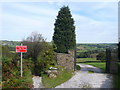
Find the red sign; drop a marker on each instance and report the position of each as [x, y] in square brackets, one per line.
[21, 48]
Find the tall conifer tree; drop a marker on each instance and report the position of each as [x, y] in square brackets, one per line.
[64, 32]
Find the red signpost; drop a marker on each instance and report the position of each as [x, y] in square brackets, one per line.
[21, 49]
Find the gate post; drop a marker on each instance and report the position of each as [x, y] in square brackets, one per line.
[111, 60]
[108, 56]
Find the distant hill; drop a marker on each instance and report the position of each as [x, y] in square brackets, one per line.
[6, 42]
[83, 47]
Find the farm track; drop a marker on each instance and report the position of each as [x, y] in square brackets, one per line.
[37, 82]
[84, 79]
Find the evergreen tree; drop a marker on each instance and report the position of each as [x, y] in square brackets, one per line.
[64, 32]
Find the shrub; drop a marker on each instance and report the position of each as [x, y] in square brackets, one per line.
[78, 67]
[34, 44]
[46, 59]
[40, 52]
[101, 56]
[11, 74]
[5, 51]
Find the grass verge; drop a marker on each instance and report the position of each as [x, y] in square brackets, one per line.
[90, 71]
[78, 60]
[53, 82]
[100, 65]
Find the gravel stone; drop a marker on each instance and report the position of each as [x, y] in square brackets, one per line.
[83, 79]
[37, 82]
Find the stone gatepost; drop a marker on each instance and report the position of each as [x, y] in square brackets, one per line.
[111, 60]
[67, 60]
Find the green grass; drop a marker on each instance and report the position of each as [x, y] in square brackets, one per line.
[13, 51]
[53, 82]
[81, 51]
[100, 65]
[90, 71]
[85, 59]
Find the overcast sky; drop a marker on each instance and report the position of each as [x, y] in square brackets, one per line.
[96, 22]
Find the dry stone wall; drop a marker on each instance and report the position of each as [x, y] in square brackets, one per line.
[67, 60]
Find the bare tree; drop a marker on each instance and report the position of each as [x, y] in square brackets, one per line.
[34, 45]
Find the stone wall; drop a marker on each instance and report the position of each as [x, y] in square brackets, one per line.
[67, 60]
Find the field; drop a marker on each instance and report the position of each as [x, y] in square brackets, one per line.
[94, 47]
[82, 60]
[97, 51]
[101, 65]
[93, 54]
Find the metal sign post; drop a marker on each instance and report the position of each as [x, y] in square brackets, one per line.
[21, 63]
[21, 49]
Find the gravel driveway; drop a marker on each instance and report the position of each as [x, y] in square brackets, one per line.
[37, 82]
[84, 79]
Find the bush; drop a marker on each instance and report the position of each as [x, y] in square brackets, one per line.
[34, 44]
[101, 56]
[11, 70]
[45, 59]
[40, 52]
[78, 67]
[5, 51]
[11, 74]
[83, 55]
